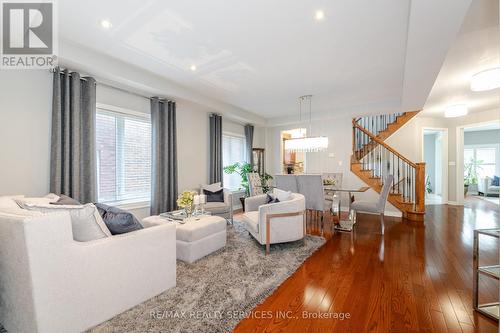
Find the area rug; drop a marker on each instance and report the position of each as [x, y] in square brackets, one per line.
[216, 292]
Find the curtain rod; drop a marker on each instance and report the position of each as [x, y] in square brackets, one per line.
[52, 70]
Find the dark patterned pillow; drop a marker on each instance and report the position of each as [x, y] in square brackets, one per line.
[495, 181]
[272, 199]
[117, 220]
[217, 196]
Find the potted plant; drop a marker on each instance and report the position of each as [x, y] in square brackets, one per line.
[470, 173]
[243, 169]
[428, 185]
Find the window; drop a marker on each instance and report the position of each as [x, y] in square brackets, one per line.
[482, 160]
[233, 150]
[123, 143]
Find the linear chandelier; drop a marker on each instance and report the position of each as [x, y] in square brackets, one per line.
[306, 143]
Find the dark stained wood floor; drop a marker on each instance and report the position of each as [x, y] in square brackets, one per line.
[415, 278]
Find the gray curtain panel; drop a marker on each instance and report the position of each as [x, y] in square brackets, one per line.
[73, 156]
[249, 142]
[216, 167]
[163, 156]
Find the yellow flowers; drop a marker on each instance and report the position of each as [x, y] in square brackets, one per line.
[186, 199]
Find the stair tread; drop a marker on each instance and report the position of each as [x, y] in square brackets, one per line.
[358, 167]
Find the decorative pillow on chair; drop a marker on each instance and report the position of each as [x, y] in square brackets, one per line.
[212, 187]
[495, 181]
[117, 220]
[271, 198]
[282, 195]
[216, 196]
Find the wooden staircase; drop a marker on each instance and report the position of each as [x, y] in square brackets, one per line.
[373, 159]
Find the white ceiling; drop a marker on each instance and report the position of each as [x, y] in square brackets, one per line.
[486, 127]
[476, 48]
[261, 55]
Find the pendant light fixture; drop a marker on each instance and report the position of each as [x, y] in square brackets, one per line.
[306, 143]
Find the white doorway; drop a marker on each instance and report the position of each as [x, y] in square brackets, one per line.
[435, 156]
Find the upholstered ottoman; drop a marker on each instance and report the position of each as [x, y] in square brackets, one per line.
[197, 238]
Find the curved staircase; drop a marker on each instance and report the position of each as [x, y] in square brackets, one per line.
[373, 159]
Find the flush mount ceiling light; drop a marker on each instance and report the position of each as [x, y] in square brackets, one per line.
[486, 80]
[319, 15]
[306, 144]
[458, 110]
[106, 24]
[193, 68]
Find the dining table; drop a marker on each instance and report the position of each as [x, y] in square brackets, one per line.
[345, 225]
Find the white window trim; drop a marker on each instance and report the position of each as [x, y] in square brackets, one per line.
[125, 204]
[124, 111]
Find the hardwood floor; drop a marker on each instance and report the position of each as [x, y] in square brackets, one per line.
[415, 278]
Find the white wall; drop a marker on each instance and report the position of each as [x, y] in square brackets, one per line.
[25, 117]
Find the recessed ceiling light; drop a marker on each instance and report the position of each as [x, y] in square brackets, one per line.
[486, 80]
[193, 68]
[319, 15]
[458, 110]
[106, 24]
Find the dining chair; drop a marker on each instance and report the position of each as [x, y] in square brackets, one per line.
[287, 183]
[378, 206]
[311, 186]
[254, 184]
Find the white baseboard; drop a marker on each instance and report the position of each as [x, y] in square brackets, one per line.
[454, 203]
[391, 213]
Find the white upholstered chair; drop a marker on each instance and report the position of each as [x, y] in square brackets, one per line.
[485, 187]
[378, 206]
[311, 187]
[273, 223]
[222, 209]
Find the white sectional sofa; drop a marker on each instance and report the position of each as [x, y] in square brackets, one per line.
[51, 283]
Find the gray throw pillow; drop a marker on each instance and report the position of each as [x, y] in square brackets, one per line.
[117, 220]
[65, 200]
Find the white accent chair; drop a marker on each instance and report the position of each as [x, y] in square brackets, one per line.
[274, 223]
[485, 188]
[222, 209]
[51, 283]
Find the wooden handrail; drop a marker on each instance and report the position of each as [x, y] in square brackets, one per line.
[383, 144]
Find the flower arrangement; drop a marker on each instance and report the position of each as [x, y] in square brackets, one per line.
[186, 200]
[329, 182]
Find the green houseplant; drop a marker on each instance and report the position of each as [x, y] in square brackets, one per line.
[242, 169]
[470, 173]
